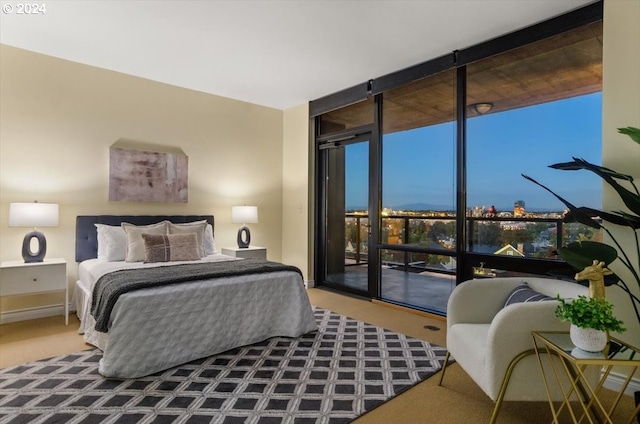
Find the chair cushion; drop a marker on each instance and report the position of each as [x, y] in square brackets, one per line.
[524, 293]
[467, 343]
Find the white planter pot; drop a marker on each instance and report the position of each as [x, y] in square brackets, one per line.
[588, 339]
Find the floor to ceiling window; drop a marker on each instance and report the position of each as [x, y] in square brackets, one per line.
[417, 237]
[419, 183]
[529, 108]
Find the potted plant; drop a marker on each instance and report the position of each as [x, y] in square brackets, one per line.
[591, 319]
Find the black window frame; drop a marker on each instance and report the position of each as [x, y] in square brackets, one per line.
[458, 60]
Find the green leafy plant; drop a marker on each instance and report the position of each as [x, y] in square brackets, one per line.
[589, 312]
[582, 254]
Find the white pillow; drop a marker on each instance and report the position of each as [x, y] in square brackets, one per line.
[112, 243]
[135, 242]
[209, 241]
[198, 227]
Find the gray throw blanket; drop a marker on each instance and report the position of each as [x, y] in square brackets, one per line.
[110, 286]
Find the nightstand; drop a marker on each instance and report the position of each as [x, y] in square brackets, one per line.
[249, 252]
[20, 278]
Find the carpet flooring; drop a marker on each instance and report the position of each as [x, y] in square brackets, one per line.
[333, 375]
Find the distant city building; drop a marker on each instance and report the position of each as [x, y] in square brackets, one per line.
[513, 226]
[477, 211]
[518, 208]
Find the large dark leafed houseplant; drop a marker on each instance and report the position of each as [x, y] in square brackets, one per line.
[582, 253]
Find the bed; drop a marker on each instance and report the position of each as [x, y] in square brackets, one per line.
[153, 328]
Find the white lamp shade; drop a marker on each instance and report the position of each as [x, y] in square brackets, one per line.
[33, 214]
[244, 214]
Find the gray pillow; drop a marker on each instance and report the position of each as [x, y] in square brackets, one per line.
[197, 227]
[524, 293]
[135, 243]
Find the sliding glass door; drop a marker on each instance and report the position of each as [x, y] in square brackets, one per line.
[346, 214]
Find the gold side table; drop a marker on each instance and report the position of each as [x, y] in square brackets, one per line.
[573, 363]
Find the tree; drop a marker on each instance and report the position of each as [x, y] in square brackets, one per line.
[489, 233]
[516, 236]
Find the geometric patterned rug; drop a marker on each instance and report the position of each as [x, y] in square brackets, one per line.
[331, 376]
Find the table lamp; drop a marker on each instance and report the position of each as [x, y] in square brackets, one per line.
[33, 215]
[244, 215]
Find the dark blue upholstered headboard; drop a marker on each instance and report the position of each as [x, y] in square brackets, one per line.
[87, 236]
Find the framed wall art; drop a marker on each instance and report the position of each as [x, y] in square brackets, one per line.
[147, 176]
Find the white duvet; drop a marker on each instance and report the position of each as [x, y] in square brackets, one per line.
[157, 328]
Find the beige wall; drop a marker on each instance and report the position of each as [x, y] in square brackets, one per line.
[58, 119]
[621, 108]
[295, 188]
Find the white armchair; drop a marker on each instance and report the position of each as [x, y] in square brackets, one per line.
[493, 343]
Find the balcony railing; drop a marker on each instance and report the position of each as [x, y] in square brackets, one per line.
[517, 224]
[414, 233]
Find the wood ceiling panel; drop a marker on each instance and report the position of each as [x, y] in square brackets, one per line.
[560, 67]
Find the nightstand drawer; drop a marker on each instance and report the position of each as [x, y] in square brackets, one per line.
[32, 279]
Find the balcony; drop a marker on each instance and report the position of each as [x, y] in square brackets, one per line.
[418, 256]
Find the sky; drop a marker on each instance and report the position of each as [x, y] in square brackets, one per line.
[419, 165]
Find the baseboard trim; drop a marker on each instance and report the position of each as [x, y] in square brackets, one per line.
[309, 284]
[32, 313]
[615, 381]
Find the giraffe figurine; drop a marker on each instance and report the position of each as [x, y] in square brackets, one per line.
[595, 274]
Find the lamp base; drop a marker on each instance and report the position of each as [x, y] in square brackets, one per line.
[37, 256]
[244, 239]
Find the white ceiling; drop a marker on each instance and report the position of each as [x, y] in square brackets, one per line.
[272, 53]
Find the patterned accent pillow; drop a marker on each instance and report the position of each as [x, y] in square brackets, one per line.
[524, 293]
[170, 247]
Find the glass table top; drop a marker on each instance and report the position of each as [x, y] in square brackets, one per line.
[616, 350]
